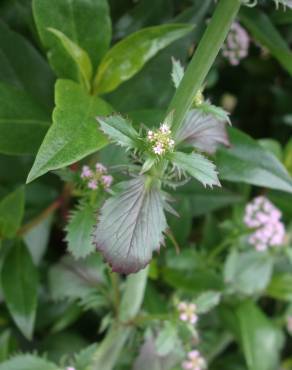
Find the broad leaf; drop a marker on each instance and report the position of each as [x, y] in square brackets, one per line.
[246, 161]
[242, 272]
[23, 123]
[74, 133]
[20, 282]
[130, 226]
[128, 56]
[11, 213]
[280, 287]
[86, 23]
[79, 231]
[30, 72]
[203, 131]
[197, 166]
[120, 130]
[28, 362]
[263, 30]
[79, 56]
[207, 301]
[260, 339]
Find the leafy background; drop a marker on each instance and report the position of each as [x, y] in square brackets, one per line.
[55, 305]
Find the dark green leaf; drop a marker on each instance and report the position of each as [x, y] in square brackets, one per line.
[74, 133]
[79, 231]
[23, 123]
[197, 166]
[86, 23]
[260, 339]
[131, 225]
[280, 287]
[248, 272]
[27, 362]
[20, 282]
[120, 130]
[261, 27]
[128, 56]
[79, 56]
[11, 213]
[246, 161]
[30, 72]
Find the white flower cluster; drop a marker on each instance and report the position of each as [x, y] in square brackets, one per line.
[161, 141]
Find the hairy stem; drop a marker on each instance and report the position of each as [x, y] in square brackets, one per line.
[111, 347]
[203, 59]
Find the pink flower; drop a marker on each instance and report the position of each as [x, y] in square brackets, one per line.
[289, 324]
[100, 168]
[194, 361]
[86, 172]
[237, 44]
[187, 312]
[70, 368]
[92, 184]
[107, 180]
[158, 149]
[265, 218]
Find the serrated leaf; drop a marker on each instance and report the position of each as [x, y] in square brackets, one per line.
[246, 161]
[130, 226]
[20, 282]
[74, 133]
[79, 231]
[79, 56]
[11, 213]
[207, 301]
[23, 122]
[120, 130]
[197, 166]
[203, 131]
[128, 56]
[28, 362]
[177, 72]
[86, 23]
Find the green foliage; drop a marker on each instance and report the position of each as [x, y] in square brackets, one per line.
[19, 282]
[74, 133]
[128, 56]
[11, 213]
[28, 362]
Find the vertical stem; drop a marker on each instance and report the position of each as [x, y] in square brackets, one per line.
[111, 347]
[203, 59]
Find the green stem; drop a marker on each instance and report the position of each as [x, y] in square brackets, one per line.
[203, 59]
[111, 347]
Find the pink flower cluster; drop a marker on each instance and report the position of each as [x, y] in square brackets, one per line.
[187, 312]
[237, 44]
[265, 218]
[97, 177]
[194, 361]
[70, 368]
[289, 324]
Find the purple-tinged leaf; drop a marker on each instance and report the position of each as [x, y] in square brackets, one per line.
[203, 131]
[131, 226]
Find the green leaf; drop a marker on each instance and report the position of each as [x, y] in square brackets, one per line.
[263, 30]
[86, 23]
[246, 161]
[131, 225]
[79, 231]
[177, 72]
[30, 73]
[166, 340]
[197, 166]
[23, 123]
[27, 362]
[79, 56]
[128, 56]
[20, 282]
[11, 213]
[74, 133]
[280, 287]
[207, 301]
[120, 130]
[248, 272]
[260, 339]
